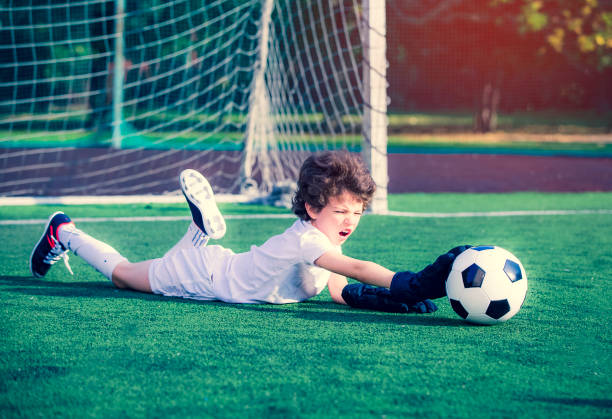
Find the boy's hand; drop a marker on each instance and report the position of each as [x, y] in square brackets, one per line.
[410, 287]
[379, 299]
[459, 249]
[441, 268]
[425, 306]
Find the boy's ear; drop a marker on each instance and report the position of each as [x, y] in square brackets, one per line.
[312, 213]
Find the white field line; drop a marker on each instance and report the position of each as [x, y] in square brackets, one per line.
[146, 219]
[281, 216]
[120, 199]
[496, 213]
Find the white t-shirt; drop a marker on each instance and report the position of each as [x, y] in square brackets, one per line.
[280, 271]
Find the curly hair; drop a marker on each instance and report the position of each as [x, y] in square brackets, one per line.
[329, 174]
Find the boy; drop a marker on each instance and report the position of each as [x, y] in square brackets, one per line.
[333, 190]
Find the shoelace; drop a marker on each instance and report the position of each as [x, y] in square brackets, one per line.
[56, 253]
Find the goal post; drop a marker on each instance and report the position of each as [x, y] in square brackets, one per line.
[375, 121]
[116, 97]
[119, 64]
[260, 133]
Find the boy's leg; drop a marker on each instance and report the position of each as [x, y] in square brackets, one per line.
[101, 256]
[193, 237]
[201, 200]
[183, 270]
[61, 235]
[133, 276]
[205, 214]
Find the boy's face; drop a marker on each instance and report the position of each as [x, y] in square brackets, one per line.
[339, 218]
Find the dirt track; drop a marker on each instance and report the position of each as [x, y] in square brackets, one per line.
[497, 173]
[107, 172]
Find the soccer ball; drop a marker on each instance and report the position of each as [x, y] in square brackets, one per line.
[486, 285]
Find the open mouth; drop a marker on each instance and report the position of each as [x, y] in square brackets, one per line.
[345, 233]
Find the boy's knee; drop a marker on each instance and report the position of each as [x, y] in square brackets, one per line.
[118, 283]
[133, 276]
[118, 277]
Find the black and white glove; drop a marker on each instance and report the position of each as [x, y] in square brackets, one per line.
[379, 299]
[410, 287]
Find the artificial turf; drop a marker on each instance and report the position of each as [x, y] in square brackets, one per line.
[77, 347]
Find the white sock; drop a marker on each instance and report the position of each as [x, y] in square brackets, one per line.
[98, 254]
[194, 237]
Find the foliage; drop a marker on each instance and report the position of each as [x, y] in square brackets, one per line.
[444, 53]
[580, 29]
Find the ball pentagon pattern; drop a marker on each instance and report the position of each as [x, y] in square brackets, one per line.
[486, 285]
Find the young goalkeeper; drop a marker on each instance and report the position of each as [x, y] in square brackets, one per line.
[333, 190]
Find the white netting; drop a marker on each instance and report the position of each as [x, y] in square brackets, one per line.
[236, 89]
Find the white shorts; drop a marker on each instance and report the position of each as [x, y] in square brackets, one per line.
[188, 272]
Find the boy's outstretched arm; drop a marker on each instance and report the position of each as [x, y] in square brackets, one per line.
[363, 271]
[372, 298]
[409, 290]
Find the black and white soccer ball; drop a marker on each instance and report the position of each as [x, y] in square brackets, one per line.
[486, 285]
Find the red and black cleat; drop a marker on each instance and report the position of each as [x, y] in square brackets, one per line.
[49, 250]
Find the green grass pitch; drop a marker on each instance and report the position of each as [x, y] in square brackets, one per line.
[77, 347]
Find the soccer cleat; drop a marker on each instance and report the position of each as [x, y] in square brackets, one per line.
[201, 200]
[49, 250]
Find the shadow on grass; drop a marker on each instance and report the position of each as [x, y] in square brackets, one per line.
[310, 310]
[575, 401]
[332, 312]
[40, 287]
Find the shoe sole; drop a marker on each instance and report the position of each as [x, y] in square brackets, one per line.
[201, 200]
[40, 240]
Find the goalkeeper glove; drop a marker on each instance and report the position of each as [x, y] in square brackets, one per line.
[410, 287]
[379, 299]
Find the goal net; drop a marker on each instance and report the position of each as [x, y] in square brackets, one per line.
[103, 97]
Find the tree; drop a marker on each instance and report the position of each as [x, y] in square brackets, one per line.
[579, 29]
[506, 54]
